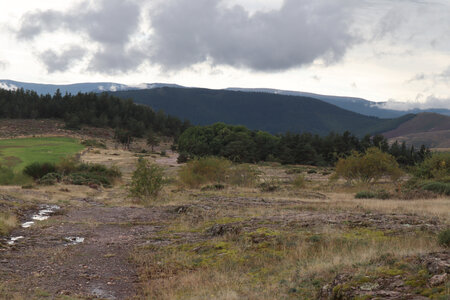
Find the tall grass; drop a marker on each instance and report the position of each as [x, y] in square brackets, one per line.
[7, 223]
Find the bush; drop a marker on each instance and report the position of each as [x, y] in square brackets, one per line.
[182, 158]
[204, 170]
[435, 167]
[437, 187]
[368, 167]
[269, 184]
[444, 238]
[94, 144]
[38, 170]
[50, 179]
[67, 165]
[147, 181]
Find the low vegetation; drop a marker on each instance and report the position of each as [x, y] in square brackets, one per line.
[7, 223]
[147, 181]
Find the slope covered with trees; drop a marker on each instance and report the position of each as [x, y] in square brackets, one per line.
[240, 144]
[259, 111]
[99, 110]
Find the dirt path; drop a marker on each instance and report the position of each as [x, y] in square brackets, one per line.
[98, 267]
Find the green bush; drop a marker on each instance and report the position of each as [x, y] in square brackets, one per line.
[50, 179]
[437, 187]
[435, 167]
[204, 170]
[182, 158]
[147, 181]
[444, 238]
[368, 167]
[37, 170]
[86, 178]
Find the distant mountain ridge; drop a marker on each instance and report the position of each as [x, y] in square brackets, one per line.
[358, 105]
[260, 111]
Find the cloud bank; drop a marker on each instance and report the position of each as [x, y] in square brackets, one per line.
[183, 33]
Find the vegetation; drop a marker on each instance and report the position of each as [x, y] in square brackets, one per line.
[99, 110]
[260, 111]
[7, 223]
[380, 194]
[147, 181]
[70, 171]
[94, 144]
[10, 177]
[368, 167]
[444, 237]
[152, 139]
[239, 144]
[18, 153]
[204, 170]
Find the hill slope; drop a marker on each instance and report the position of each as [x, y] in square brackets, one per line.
[430, 129]
[358, 105]
[262, 111]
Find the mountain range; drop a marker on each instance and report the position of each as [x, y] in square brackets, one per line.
[275, 111]
[358, 105]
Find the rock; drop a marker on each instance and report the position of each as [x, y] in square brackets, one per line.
[369, 286]
[438, 279]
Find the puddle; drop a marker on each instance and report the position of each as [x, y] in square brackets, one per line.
[27, 224]
[43, 214]
[12, 240]
[74, 240]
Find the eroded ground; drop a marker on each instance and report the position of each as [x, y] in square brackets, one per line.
[235, 243]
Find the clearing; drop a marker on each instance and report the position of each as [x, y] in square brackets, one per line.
[316, 242]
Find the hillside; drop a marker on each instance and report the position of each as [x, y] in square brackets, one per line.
[358, 105]
[262, 111]
[430, 129]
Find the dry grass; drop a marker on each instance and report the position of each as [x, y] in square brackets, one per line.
[7, 223]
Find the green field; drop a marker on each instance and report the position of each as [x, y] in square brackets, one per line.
[17, 153]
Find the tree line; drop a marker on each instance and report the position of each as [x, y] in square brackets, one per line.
[240, 144]
[98, 110]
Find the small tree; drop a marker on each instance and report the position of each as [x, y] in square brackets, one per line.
[368, 167]
[123, 137]
[152, 139]
[147, 181]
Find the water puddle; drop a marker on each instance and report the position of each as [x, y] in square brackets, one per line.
[74, 240]
[43, 214]
[12, 240]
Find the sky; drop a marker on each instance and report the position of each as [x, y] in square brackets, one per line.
[397, 51]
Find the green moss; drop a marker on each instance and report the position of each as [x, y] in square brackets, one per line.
[365, 234]
[387, 271]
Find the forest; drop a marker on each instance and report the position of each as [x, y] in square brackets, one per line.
[240, 144]
[98, 110]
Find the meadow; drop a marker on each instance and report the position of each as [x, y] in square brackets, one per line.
[18, 153]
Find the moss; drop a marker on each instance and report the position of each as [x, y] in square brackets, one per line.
[365, 234]
[389, 272]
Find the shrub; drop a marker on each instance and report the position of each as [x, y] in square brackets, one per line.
[50, 179]
[204, 170]
[269, 184]
[444, 238]
[435, 167]
[214, 187]
[67, 165]
[86, 178]
[163, 153]
[368, 167]
[299, 182]
[182, 158]
[147, 181]
[437, 187]
[311, 171]
[94, 144]
[37, 170]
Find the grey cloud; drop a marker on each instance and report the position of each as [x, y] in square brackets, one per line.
[111, 23]
[429, 103]
[59, 62]
[187, 32]
[113, 60]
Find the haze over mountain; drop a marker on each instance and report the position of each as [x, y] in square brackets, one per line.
[358, 105]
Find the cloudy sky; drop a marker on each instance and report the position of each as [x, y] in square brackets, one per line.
[381, 50]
